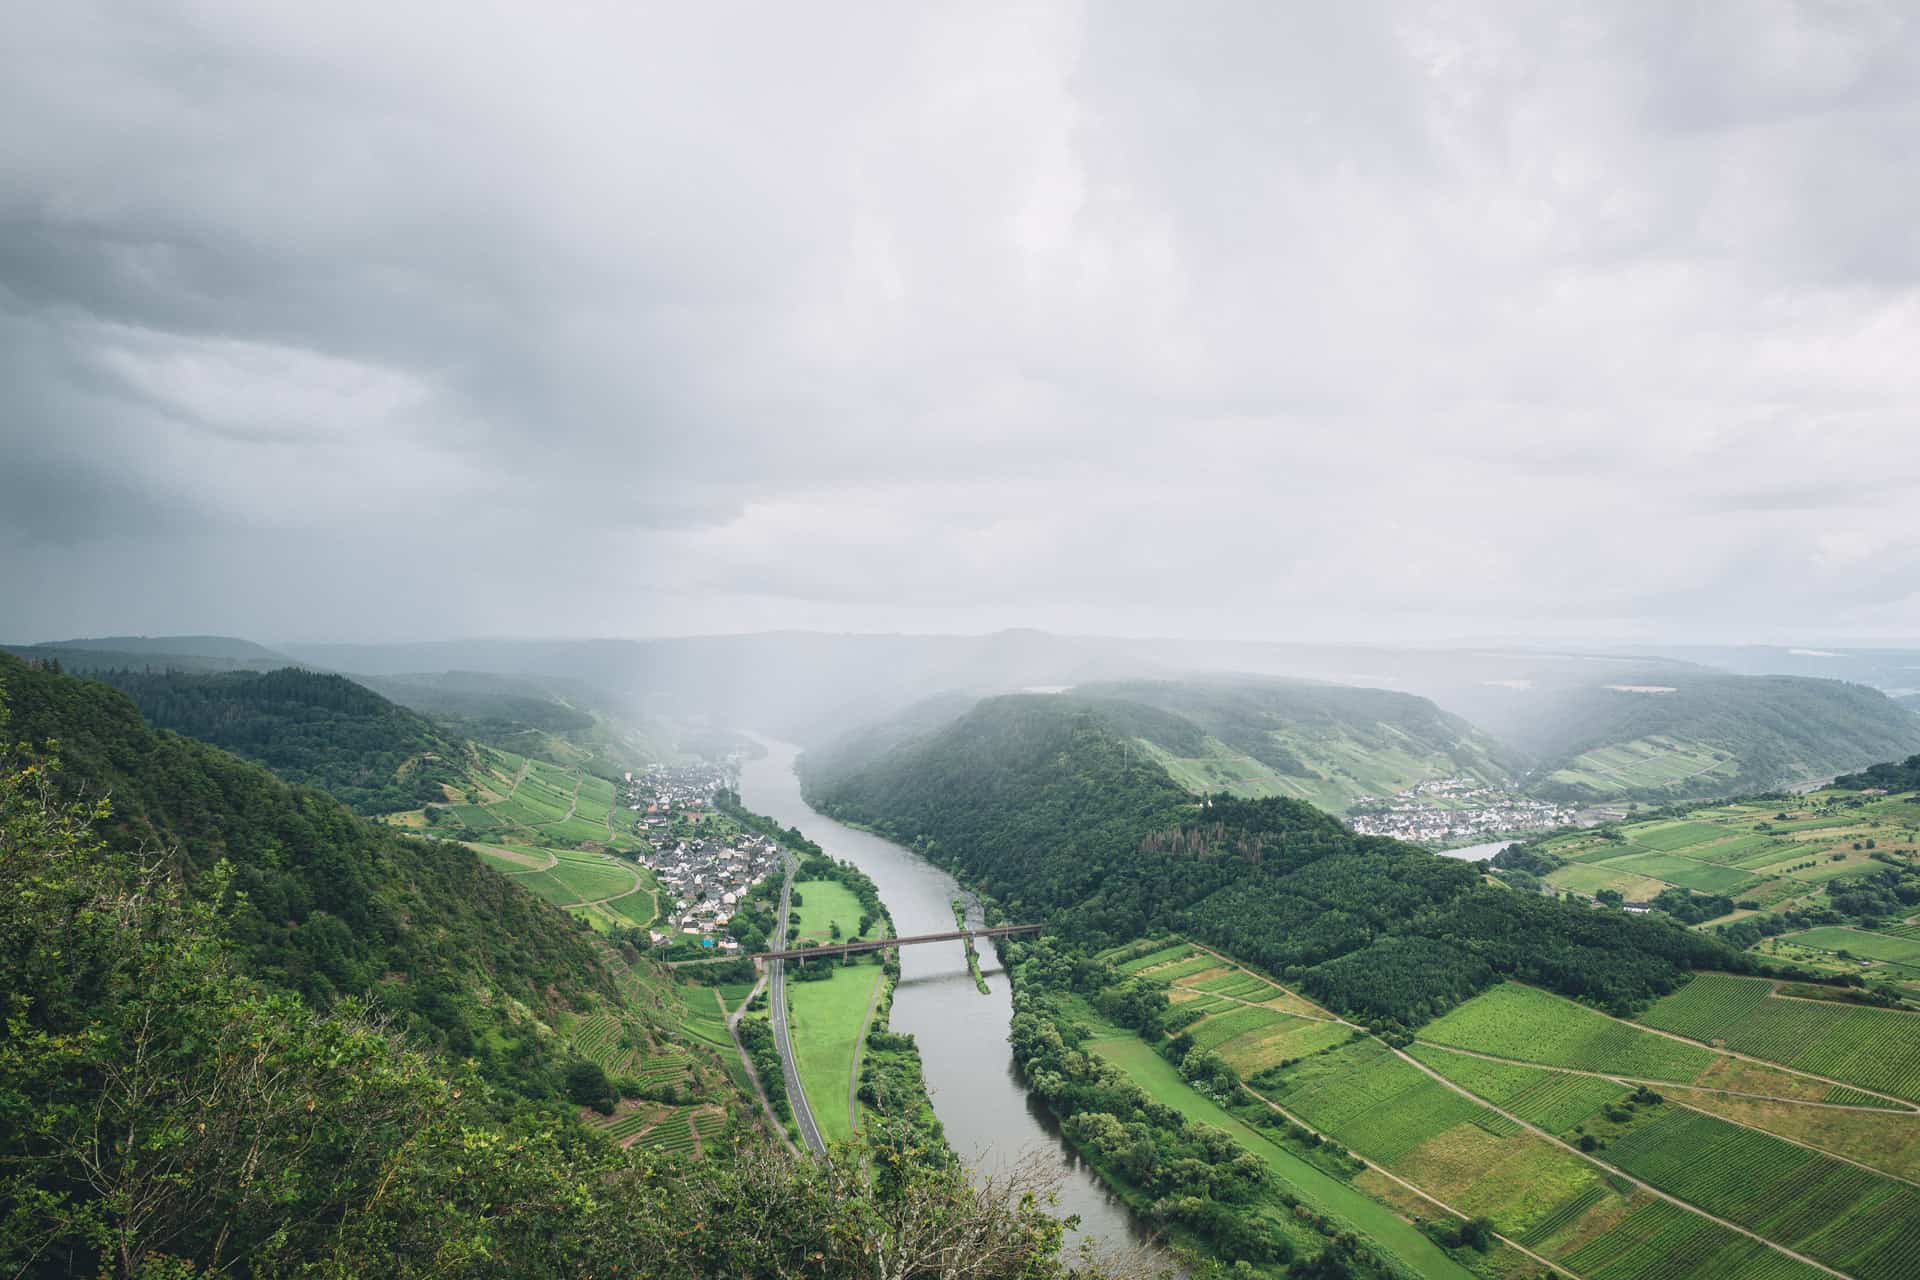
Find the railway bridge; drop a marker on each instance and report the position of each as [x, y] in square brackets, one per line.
[848, 948]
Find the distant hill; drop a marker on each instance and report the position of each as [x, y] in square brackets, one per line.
[230, 648]
[1332, 745]
[1695, 736]
[1046, 802]
[319, 730]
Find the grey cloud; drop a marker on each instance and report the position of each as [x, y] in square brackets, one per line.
[1392, 318]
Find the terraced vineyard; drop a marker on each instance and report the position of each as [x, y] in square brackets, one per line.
[1852, 1219]
[1529, 1025]
[1661, 1241]
[1873, 1048]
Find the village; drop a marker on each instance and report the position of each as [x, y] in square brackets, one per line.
[1443, 811]
[704, 865]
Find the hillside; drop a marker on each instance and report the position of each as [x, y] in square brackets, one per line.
[1332, 745]
[319, 730]
[186, 1089]
[1690, 737]
[1044, 802]
[332, 905]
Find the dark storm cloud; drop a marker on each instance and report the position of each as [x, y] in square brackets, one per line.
[1373, 319]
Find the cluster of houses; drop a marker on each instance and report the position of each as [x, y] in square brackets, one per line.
[1449, 810]
[708, 879]
[703, 878]
[660, 791]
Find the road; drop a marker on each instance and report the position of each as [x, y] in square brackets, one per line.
[777, 1002]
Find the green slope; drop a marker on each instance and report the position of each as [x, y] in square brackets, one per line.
[1690, 737]
[1328, 744]
[329, 905]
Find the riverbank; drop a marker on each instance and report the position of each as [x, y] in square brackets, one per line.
[986, 1114]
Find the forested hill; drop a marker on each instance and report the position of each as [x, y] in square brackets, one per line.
[308, 727]
[1698, 736]
[327, 903]
[1046, 803]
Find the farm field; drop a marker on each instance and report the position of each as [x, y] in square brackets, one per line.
[1868, 944]
[1543, 1196]
[604, 890]
[1860, 1222]
[1529, 1025]
[1886, 1140]
[1776, 853]
[1554, 1100]
[1321, 1190]
[1876, 1049]
[824, 904]
[825, 1020]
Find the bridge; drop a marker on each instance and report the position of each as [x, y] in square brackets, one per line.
[848, 948]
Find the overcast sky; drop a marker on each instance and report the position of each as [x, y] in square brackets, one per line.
[1378, 321]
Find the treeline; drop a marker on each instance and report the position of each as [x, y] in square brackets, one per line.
[1903, 775]
[319, 730]
[1045, 805]
[1192, 1180]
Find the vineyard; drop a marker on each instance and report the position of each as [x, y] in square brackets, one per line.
[1846, 1216]
[1514, 1021]
[1873, 1048]
[1661, 1241]
[1552, 1100]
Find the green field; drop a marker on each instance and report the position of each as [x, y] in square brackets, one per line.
[823, 905]
[1322, 1191]
[825, 1020]
[1665, 837]
[604, 890]
[1704, 877]
[1873, 1048]
[1847, 1217]
[1662, 1241]
[1554, 1100]
[1530, 1025]
[1165, 955]
[1644, 764]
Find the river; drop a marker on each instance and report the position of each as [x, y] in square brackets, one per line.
[992, 1122]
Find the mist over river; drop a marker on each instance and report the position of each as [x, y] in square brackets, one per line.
[991, 1121]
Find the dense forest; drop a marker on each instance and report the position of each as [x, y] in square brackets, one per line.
[247, 1032]
[321, 730]
[1042, 802]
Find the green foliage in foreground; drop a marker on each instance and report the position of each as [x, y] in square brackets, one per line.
[321, 903]
[163, 1115]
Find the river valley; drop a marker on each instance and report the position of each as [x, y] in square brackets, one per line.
[991, 1121]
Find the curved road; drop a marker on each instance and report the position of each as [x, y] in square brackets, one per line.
[777, 1004]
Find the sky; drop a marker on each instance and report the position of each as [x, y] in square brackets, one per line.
[1552, 322]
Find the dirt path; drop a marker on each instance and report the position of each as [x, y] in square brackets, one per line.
[1902, 1103]
[635, 887]
[525, 860]
[1674, 1084]
[1648, 1187]
[1394, 1177]
[760, 1091]
[859, 1051]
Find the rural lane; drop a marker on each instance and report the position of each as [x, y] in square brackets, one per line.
[777, 1003]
